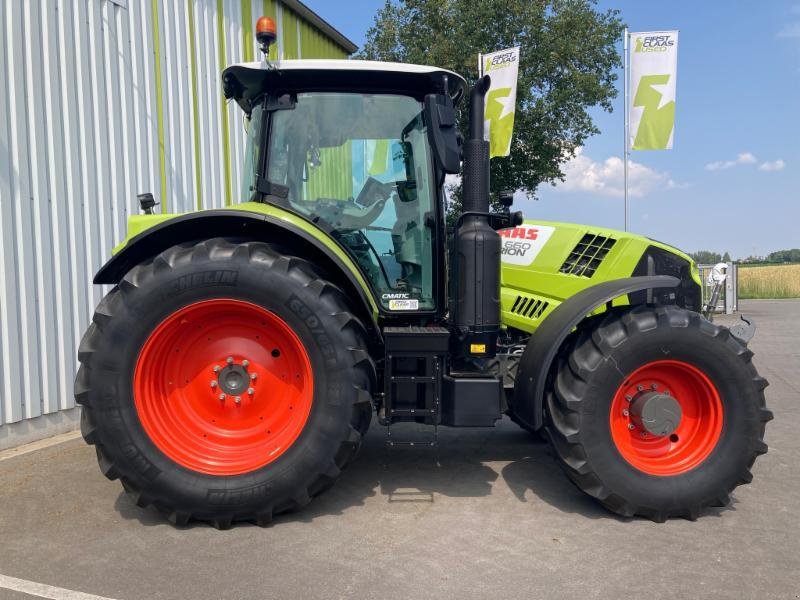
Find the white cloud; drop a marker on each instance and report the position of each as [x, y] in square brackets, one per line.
[451, 181]
[675, 185]
[606, 178]
[792, 30]
[745, 158]
[772, 165]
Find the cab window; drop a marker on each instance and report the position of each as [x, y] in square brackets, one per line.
[358, 166]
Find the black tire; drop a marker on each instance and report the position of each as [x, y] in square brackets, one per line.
[514, 419]
[317, 312]
[600, 357]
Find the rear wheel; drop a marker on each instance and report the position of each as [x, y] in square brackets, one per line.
[656, 412]
[224, 382]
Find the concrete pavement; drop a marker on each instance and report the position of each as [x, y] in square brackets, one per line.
[488, 515]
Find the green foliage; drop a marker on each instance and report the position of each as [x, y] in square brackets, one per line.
[567, 63]
[707, 257]
[784, 256]
[778, 257]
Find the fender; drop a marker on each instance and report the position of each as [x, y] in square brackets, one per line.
[545, 342]
[247, 225]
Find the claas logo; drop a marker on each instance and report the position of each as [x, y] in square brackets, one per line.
[520, 233]
[498, 60]
[654, 43]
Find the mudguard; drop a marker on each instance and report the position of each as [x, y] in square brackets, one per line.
[544, 343]
[245, 225]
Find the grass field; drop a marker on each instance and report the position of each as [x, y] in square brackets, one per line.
[778, 281]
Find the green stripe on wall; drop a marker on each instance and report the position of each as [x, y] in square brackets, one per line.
[315, 44]
[271, 11]
[195, 109]
[332, 179]
[226, 132]
[162, 158]
[289, 34]
[247, 30]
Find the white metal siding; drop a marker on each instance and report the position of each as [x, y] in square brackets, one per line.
[79, 138]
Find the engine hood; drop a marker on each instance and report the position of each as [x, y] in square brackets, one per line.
[545, 262]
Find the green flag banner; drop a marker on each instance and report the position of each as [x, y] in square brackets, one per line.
[501, 99]
[653, 73]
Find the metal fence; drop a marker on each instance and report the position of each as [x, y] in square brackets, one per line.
[101, 100]
[728, 302]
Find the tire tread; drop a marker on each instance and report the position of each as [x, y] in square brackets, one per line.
[580, 356]
[300, 270]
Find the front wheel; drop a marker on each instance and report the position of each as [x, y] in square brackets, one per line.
[224, 382]
[656, 412]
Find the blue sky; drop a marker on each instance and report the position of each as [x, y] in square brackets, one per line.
[732, 181]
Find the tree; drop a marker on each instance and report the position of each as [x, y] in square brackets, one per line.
[784, 256]
[706, 257]
[726, 257]
[567, 63]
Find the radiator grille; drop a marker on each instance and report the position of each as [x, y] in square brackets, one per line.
[587, 255]
[532, 308]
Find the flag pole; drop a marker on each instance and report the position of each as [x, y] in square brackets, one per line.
[626, 125]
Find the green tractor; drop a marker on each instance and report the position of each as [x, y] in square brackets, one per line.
[234, 368]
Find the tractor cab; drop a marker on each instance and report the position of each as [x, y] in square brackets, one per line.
[347, 145]
[361, 150]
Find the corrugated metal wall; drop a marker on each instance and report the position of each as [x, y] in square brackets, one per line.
[101, 100]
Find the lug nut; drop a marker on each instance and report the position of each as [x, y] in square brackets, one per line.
[229, 360]
[640, 388]
[625, 412]
[631, 426]
[253, 376]
[238, 399]
[222, 396]
[213, 384]
[251, 391]
[245, 363]
[654, 386]
[217, 368]
[629, 398]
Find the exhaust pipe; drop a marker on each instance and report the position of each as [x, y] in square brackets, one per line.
[477, 246]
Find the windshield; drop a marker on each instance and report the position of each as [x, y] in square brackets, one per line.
[358, 166]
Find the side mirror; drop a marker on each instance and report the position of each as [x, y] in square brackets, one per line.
[443, 137]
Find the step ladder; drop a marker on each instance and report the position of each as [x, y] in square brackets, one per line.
[413, 370]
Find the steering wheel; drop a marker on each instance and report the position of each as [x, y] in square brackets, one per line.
[374, 191]
[359, 213]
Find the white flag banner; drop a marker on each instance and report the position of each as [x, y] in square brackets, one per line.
[653, 74]
[501, 99]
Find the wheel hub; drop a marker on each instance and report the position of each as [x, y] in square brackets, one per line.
[233, 380]
[666, 417]
[655, 412]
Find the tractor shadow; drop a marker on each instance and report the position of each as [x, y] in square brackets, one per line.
[467, 463]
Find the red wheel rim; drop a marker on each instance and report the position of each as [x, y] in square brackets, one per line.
[217, 348]
[697, 432]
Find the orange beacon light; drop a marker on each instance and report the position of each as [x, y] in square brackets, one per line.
[266, 33]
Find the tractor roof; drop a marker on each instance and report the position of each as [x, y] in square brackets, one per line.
[246, 82]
